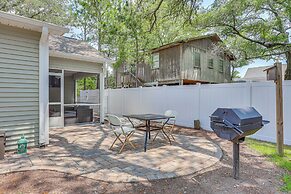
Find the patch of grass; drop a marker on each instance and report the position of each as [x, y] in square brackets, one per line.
[269, 150]
[287, 183]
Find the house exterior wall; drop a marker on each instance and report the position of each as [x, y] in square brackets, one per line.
[73, 65]
[169, 66]
[19, 85]
[204, 73]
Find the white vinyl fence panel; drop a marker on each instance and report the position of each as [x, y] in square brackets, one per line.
[200, 101]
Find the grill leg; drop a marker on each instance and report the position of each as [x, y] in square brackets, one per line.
[235, 160]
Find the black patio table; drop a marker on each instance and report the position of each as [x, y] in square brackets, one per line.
[148, 118]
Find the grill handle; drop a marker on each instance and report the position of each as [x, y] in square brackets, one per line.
[235, 128]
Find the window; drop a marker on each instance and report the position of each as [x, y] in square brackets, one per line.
[210, 63]
[197, 59]
[156, 61]
[221, 66]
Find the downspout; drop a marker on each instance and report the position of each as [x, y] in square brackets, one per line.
[43, 87]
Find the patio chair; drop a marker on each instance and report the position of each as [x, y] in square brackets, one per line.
[169, 127]
[120, 130]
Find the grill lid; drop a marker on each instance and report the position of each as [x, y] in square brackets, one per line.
[237, 116]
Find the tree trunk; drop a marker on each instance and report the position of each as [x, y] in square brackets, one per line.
[288, 70]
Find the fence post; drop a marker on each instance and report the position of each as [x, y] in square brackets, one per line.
[251, 93]
[122, 100]
[199, 100]
[140, 98]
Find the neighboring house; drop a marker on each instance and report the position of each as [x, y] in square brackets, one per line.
[258, 74]
[196, 60]
[30, 70]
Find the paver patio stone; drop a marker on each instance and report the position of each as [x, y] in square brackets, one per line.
[84, 151]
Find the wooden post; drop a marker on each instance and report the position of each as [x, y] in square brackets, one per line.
[235, 165]
[279, 110]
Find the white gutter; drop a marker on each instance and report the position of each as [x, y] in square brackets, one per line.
[95, 59]
[43, 87]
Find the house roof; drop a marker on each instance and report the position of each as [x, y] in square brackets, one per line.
[30, 24]
[71, 48]
[259, 73]
[213, 37]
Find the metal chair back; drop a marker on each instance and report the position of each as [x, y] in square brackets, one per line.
[114, 122]
[171, 113]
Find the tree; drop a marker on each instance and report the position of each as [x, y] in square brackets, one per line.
[45, 10]
[235, 74]
[253, 28]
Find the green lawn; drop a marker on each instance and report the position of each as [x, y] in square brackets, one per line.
[269, 150]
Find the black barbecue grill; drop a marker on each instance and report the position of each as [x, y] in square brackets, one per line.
[234, 124]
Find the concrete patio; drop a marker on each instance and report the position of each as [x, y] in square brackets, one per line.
[83, 150]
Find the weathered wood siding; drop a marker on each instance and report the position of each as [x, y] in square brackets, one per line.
[146, 73]
[203, 73]
[19, 85]
[169, 64]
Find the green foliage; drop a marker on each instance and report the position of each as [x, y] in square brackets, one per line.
[269, 150]
[235, 74]
[91, 84]
[45, 10]
[252, 28]
[128, 30]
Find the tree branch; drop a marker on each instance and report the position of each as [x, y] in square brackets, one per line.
[265, 44]
[265, 55]
[154, 14]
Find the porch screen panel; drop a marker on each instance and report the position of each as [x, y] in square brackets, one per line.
[19, 89]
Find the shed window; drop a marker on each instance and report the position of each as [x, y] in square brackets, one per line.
[210, 63]
[197, 59]
[156, 61]
[221, 66]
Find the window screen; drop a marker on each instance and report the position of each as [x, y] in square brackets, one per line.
[221, 66]
[197, 59]
[210, 63]
[156, 61]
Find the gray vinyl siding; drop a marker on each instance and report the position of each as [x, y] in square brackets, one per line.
[19, 85]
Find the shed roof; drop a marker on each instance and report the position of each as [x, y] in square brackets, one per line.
[213, 37]
[70, 48]
[30, 24]
[258, 73]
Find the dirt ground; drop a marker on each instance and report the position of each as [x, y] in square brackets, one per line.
[257, 175]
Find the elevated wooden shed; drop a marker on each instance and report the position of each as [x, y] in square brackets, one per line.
[201, 59]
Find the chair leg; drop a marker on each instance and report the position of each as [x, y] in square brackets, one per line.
[156, 135]
[117, 138]
[127, 140]
[129, 136]
[171, 132]
[123, 145]
[172, 136]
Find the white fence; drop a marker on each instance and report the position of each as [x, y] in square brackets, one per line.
[199, 101]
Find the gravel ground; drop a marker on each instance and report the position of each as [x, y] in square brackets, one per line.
[257, 175]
